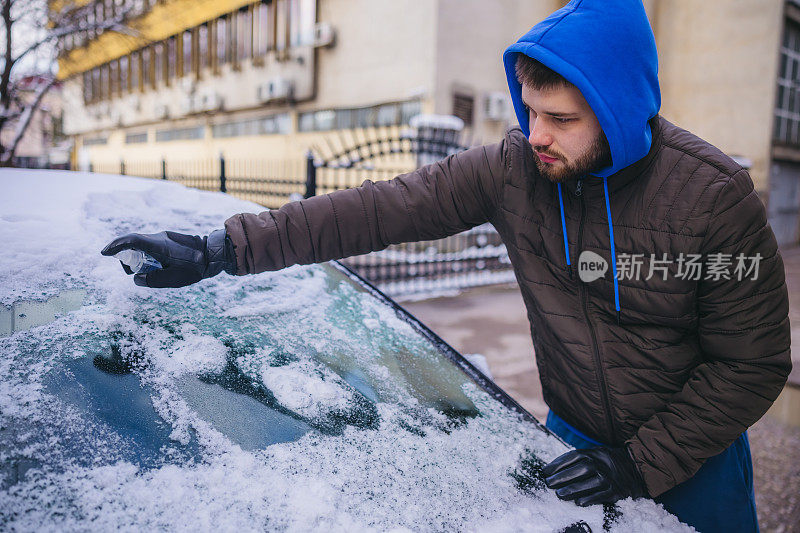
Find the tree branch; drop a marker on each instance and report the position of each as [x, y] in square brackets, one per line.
[5, 100]
[115, 23]
[25, 119]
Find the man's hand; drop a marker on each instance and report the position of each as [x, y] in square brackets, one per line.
[595, 475]
[185, 259]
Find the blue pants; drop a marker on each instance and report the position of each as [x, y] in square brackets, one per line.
[719, 497]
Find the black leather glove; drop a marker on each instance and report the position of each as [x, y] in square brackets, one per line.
[185, 259]
[595, 475]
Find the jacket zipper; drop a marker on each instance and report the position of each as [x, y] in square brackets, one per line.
[585, 304]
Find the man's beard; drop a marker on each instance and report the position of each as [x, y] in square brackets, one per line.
[597, 156]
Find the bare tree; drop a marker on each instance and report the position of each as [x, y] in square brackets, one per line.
[33, 32]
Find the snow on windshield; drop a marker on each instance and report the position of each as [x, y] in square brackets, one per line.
[378, 431]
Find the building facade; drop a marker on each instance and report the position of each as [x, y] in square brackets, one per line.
[728, 71]
[197, 79]
[43, 145]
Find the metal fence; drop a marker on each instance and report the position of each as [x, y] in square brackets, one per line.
[472, 258]
[270, 183]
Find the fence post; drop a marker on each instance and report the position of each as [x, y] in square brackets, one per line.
[311, 176]
[222, 187]
[163, 168]
[122, 167]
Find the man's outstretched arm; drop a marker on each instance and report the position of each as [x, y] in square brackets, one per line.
[441, 199]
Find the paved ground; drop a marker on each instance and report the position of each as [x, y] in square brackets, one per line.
[492, 321]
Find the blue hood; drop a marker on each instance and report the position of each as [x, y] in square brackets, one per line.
[607, 50]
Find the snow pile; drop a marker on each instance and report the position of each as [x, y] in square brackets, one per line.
[373, 428]
[302, 388]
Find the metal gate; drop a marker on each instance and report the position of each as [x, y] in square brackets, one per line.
[784, 202]
[471, 258]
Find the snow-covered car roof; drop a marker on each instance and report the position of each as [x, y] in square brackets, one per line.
[295, 400]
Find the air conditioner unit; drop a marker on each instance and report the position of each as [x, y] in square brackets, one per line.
[161, 111]
[275, 89]
[210, 102]
[324, 34]
[497, 106]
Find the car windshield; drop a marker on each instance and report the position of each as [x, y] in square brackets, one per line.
[297, 399]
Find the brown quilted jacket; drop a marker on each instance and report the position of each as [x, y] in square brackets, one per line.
[684, 367]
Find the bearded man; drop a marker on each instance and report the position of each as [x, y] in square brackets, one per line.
[653, 378]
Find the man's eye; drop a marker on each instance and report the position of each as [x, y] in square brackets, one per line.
[563, 120]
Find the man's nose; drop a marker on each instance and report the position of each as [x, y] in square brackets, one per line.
[539, 135]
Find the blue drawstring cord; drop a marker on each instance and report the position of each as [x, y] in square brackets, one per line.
[613, 250]
[564, 229]
[610, 236]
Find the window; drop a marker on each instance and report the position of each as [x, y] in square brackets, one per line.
[233, 38]
[186, 53]
[262, 28]
[204, 36]
[145, 65]
[113, 78]
[463, 107]
[409, 110]
[87, 87]
[258, 126]
[323, 120]
[96, 85]
[139, 7]
[305, 122]
[281, 28]
[787, 104]
[124, 75]
[302, 16]
[221, 31]
[133, 71]
[99, 16]
[345, 119]
[179, 134]
[157, 56]
[364, 117]
[293, 10]
[92, 141]
[307, 20]
[387, 115]
[244, 36]
[90, 21]
[105, 82]
[170, 60]
[136, 137]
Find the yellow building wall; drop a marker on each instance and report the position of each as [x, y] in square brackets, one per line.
[162, 21]
[718, 64]
[385, 51]
[471, 62]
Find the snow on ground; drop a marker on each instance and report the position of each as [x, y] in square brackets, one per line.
[372, 448]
